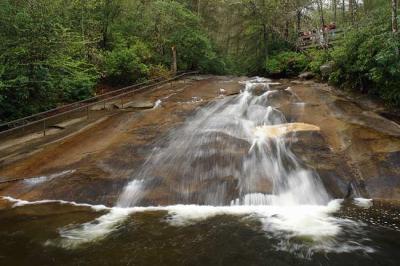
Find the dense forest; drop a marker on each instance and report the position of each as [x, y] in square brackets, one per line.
[58, 51]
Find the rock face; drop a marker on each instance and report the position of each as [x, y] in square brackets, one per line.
[354, 149]
[356, 152]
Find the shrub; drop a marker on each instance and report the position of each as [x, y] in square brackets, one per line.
[317, 58]
[159, 71]
[369, 60]
[286, 63]
[124, 66]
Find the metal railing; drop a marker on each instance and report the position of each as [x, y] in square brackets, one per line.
[43, 117]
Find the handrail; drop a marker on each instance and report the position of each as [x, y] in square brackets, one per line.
[86, 106]
[79, 102]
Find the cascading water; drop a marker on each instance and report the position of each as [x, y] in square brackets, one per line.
[219, 158]
[233, 158]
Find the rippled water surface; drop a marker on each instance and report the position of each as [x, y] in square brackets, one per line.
[30, 235]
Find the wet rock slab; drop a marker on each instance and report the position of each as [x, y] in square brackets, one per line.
[108, 154]
[355, 145]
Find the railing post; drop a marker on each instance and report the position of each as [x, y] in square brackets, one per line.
[87, 112]
[44, 128]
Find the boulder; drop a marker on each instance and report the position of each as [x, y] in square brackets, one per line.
[326, 69]
[306, 75]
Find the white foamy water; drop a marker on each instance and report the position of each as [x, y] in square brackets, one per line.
[42, 179]
[76, 235]
[21, 203]
[364, 203]
[314, 222]
[157, 104]
[132, 193]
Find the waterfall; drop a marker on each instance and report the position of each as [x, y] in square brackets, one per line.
[219, 157]
[233, 158]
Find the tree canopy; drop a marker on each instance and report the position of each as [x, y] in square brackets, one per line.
[57, 51]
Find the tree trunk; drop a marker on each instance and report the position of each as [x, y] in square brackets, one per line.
[198, 7]
[351, 11]
[321, 14]
[265, 32]
[287, 30]
[343, 10]
[298, 23]
[334, 11]
[174, 66]
[395, 26]
[82, 23]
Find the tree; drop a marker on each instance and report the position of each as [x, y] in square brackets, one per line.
[394, 16]
[351, 11]
[41, 60]
[334, 7]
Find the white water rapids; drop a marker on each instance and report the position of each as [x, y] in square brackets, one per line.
[220, 157]
[219, 163]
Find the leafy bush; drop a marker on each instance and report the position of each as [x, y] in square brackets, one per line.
[41, 62]
[369, 60]
[317, 58]
[159, 70]
[125, 66]
[286, 63]
[76, 78]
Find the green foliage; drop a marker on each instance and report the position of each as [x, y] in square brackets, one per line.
[125, 65]
[286, 63]
[52, 51]
[317, 58]
[369, 60]
[75, 79]
[41, 61]
[159, 70]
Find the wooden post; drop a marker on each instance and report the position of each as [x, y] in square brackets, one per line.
[87, 112]
[44, 128]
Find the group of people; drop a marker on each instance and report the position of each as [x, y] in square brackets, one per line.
[317, 35]
[325, 28]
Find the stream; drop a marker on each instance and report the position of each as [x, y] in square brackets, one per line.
[223, 188]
